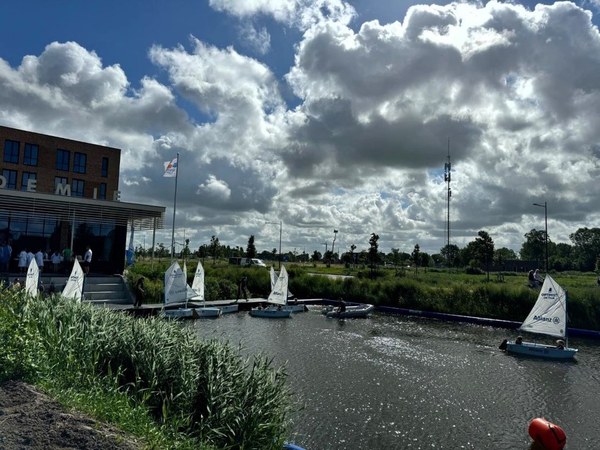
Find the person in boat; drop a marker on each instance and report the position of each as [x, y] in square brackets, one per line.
[341, 306]
[519, 340]
[560, 344]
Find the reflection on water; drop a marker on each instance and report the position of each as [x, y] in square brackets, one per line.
[410, 383]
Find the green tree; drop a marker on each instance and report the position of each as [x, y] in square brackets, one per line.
[534, 247]
[251, 248]
[416, 257]
[484, 250]
[586, 248]
[373, 254]
[214, 248]
[501, 255]
[451, 254]
[316, 256]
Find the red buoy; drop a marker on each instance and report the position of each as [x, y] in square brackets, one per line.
[551, 436]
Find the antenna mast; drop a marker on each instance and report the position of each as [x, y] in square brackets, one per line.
[447, 178]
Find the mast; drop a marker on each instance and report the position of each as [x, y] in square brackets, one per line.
[447, 179]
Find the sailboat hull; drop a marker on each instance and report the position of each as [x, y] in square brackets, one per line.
[270, 313]
[541, 351]
[226, 309]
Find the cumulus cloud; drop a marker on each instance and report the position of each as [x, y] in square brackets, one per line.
[300, 13]
[512, 92]
[214, 188]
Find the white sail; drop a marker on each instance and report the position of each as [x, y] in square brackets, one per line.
[278, 294]
[74, 287]
[549, 314]
[274, 280]
[273, 277]
[198, 283]
[33, 279]
[175, 285]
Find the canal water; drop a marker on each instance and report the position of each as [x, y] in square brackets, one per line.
[396, 382]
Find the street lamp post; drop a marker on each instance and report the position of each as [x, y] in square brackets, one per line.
[335, 232]
[545, 206]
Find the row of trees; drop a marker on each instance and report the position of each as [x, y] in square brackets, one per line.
[582, 255]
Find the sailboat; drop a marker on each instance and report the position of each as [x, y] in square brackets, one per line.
[288, 306]
[196, 292]
[277, 299]
[548, 317]
[33, 279]
[74, 287]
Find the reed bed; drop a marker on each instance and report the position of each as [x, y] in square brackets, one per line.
[190, 393]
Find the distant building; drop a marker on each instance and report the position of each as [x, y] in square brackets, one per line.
[58, 193]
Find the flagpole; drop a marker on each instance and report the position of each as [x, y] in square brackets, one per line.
[174, 210]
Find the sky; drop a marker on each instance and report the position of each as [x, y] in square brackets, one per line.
[309, 116]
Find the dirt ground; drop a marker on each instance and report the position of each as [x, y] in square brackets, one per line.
[31, 420]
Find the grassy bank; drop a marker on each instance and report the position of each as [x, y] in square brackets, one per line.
[151, 377]
[501, 296]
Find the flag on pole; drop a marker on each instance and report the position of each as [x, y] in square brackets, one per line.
[170, 168]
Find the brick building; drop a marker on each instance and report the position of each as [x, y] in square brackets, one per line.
[58, 193]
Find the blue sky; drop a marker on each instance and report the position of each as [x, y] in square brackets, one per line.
[323, 114]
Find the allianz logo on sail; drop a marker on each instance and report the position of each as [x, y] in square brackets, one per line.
[547, 319]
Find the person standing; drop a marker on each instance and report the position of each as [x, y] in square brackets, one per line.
[23, 261]
[87, 260]
[56, 260]
[242, 288]
[39, 259]
[140, 292]
[30, 257]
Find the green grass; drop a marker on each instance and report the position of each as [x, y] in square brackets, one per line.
[151, 377]
[501, 295]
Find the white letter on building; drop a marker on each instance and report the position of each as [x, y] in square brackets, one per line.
[63, 189]
[31, 185]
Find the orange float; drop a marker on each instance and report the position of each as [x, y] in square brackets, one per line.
[551, 436]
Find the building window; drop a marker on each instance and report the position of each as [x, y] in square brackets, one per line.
[79, 161]
[104, 167]
[77, 188]
[11, 178]
[25, 177]
[11, 151]
[102, 191]
[63, 158]
[30, 156]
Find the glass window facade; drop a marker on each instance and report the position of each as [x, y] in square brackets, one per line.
[30, 155]
[104, 167]
[11, 151]
[63, 159]
[102, 191]
[11, 178]
[79, 162]
[77, 188]
[25, 177]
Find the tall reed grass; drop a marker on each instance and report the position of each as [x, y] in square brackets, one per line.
[204, 390]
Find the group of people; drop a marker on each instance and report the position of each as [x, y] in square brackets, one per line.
[535, 278]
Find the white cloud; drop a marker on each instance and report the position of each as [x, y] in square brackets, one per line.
[362, 150]
[214, 188]
[256, 40]
[300, 13]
